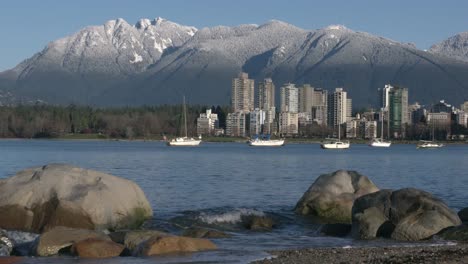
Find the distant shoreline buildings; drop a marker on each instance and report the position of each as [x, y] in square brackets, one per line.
[306, 110]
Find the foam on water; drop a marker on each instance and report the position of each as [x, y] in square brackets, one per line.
[231, 217]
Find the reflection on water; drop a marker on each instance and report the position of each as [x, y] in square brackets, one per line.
[223, 178]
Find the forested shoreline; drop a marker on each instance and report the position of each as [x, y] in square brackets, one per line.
[45, 121]
[145, 122]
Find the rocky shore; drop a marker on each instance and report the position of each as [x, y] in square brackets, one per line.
[375, 255]
[62, 210]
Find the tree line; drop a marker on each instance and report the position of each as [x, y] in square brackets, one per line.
[46, 121]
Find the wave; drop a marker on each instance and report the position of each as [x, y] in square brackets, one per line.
[232, 217]
[225, 218]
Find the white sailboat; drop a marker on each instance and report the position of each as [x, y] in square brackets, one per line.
[184, 141]
[426, 144]
[266, 142]
[380, 142]
[335, 144]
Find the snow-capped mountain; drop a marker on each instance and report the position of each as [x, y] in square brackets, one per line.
[455, 47]
[158, 61]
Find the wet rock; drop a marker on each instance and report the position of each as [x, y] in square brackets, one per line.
[11, 260]
[407, 214]
[6, 245]
[370, 213]
[198, 232]
[23, 242]
[173, 244]
[61, 238]
[463, 214]
[336, 230]
[330, 198]
[259, 223]
[41, 198]
[96, 248]
[132, 238]
[458, 233]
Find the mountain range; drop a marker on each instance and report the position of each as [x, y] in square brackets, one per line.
[158, 61]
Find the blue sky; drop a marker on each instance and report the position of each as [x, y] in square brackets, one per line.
[27, 26]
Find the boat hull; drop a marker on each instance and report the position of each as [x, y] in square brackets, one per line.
[184, 143]
[429, 146]
[380, 144]
[266, 143]
[335, 145]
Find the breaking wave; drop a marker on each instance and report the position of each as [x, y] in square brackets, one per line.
[232, 217]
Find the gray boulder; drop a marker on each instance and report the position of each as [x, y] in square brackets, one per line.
[38, 199]
[330, 198]
[407, 214]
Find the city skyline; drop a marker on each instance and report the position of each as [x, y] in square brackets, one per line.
[55, 19]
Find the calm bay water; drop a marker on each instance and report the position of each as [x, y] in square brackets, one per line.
[215, 184]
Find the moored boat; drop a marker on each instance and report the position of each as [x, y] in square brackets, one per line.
[335, 145]
[184, 141]
[429, 144]
[266, 143]
[377, 142]
[380, 142]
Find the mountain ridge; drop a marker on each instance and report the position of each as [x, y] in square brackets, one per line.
[157, 61]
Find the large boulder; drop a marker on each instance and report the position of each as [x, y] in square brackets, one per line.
[61, 238]
[40, 198]
[173, 244]
[407, 214]
[330, 198]
[97, 248]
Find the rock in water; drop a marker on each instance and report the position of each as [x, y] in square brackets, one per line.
[259, 223]
[132, 238]
[463, 214]
[458, 233]
[40, 198]
[407, 214]
[54, 240]
[173, 244]
[97, 248]
[331, 196]
[6, 245]
[199, 232]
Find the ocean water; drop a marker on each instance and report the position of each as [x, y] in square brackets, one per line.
[217, 184]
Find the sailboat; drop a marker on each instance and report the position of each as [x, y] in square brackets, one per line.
[265, 141]
[335, 144]
[380, 142]
[184, 141]
[426, 144]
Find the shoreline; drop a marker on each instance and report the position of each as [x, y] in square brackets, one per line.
[448, 253]
[292, 141]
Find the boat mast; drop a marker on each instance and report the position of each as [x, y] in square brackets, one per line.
[185, 118]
